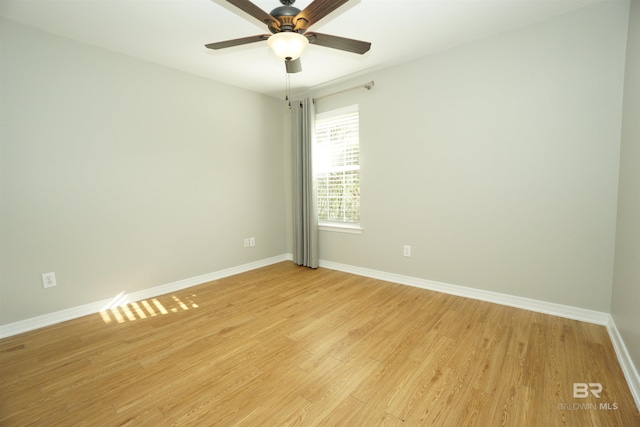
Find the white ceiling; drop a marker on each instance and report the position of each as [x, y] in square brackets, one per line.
[173, 33]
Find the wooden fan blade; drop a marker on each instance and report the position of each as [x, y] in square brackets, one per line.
[342, 43]
[253, 10]
[293, 66]
[237, 42]
[315, 12]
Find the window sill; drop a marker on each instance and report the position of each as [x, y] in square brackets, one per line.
[340, 228]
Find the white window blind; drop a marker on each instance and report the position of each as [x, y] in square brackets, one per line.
[336, 166]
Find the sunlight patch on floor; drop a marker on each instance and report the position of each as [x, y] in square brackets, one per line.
[121, 310]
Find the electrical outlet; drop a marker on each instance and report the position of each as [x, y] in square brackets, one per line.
[406, 251]
[246, 243]
[252, 241]
[49, 280]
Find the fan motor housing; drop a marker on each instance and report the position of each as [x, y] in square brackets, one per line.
[285, 15]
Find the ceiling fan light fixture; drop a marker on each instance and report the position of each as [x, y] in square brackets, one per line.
[288, 45]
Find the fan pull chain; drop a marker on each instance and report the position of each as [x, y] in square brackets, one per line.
[287, 85]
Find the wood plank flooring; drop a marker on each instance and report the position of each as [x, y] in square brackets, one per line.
[285, 345]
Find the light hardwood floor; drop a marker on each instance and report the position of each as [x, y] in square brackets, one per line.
[285, 345]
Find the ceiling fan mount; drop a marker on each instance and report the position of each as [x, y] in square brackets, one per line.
[290, 20]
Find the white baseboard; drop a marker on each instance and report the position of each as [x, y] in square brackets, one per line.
[566, 311]
[98, 306]
[630, 372]
[569, 312]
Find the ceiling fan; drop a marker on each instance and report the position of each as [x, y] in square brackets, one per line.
[288, 26]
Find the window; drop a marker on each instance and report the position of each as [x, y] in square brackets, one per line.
[336, 165]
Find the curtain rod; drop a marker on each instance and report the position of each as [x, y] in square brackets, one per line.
[366, 86]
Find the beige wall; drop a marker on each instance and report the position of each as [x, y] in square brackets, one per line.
[496, 161]
[625, 306]
[120, 175]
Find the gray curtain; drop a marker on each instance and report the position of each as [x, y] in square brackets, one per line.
[305, 220]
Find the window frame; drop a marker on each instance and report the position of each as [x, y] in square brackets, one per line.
[340, 226]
